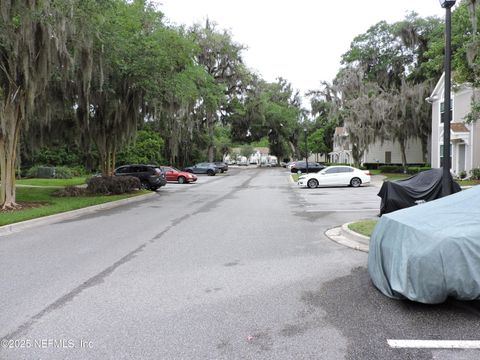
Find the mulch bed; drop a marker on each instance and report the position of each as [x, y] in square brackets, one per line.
[25, 206]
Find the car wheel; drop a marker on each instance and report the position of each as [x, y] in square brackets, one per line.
[312, 183]
[210, 173]
[355, 182]
[181, 180]
[221, 171]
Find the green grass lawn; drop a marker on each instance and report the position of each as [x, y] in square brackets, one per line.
[295, 177]
[49, 205]
[468, 182]
[54, 182]
[364, 227]
[393, 177]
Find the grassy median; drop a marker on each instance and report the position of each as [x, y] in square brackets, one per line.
[38, 201]
[364, 227]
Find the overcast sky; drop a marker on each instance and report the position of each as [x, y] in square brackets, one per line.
[301, 40]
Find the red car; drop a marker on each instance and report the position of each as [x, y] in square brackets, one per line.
[182, 177]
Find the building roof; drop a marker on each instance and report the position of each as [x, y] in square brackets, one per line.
[458, 127]
[263, 150]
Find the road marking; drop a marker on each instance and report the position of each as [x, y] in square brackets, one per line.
[434, 344]
[341, 210]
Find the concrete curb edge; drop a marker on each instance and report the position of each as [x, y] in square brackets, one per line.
[344, 236]
[50, 219]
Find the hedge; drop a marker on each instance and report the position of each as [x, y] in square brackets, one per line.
[106, 185]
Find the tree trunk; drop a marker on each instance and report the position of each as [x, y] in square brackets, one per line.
[8, 147]
[404, 156]
[424, 141]
[357, 154]
[211, 137]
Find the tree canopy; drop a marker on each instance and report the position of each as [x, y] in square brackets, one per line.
[101, 82]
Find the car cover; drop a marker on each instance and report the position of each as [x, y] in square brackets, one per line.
[424, 186]
[429, 252]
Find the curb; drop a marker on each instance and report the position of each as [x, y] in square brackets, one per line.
[50, 219]
[346, 237]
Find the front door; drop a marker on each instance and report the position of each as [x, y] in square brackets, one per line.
[388, 157]
[461, 158]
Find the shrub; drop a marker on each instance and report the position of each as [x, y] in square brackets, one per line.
[417, 169]
[147, 149]
[40, 171]
[63, 172]
[71, 191]
[78, 170]
[49, 172]
[371, 166]
[475, 174]
[106, 185]
[391, 169]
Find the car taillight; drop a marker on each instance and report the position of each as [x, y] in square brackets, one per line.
[367, 172]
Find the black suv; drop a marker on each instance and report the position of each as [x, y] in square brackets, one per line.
[221, 166]
[302, 167]
[151, 176]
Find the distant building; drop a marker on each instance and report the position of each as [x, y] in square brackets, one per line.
[387, 152]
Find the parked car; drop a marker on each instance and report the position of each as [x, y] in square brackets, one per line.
[301, 166]
[221, 166]
[429, 252]
[173, 174]
[151, 176]
[335, 176]
[419, 188]
[203, 168]
[242, 161]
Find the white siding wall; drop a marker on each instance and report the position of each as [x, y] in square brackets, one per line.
[476, 145]
[435, 145]
[377, 152]
[461, 108]
[462, 101]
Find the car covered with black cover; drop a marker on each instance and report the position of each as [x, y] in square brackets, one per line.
[422, 187]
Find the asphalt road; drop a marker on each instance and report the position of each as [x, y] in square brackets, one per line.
[236, 266]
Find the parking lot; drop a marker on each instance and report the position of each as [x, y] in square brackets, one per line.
[236, 265]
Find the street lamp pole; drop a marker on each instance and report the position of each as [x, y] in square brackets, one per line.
[447, 5]
[306, 150]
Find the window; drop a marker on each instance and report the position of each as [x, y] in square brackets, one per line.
[344, 170]
[388, 157]
[123, 170]
[442, 111]
[331, 171]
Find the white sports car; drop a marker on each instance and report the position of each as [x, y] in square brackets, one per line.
[335, 176]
